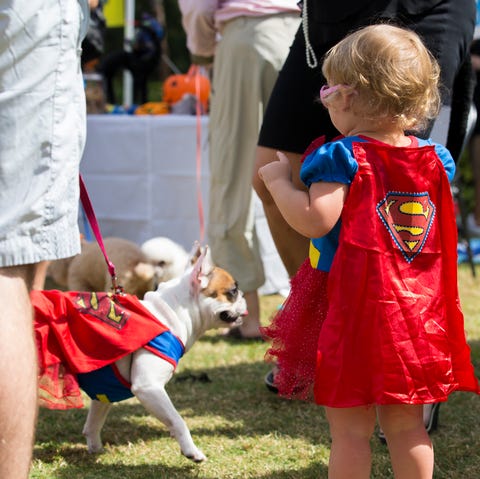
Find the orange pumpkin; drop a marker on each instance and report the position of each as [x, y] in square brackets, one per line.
[176, 86]
[153, 108]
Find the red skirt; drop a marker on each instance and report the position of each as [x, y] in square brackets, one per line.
[294, 333]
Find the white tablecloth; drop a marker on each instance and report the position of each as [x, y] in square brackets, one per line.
[141, 175]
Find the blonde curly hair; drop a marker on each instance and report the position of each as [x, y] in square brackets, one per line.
[395, 76]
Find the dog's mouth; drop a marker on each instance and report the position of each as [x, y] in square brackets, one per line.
[231, 316]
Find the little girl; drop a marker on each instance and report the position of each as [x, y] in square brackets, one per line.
[373, 318]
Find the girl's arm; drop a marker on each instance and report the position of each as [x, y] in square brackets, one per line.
[312, 213]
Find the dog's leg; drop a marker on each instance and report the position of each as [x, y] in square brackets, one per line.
[149, 375]
[93, 425]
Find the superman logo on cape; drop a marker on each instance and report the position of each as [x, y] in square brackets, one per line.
[408, 217]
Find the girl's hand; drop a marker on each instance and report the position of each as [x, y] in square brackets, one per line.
[276, 170]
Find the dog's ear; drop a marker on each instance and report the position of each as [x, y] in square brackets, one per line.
[195, 253]
[202, 269]
[207, 263]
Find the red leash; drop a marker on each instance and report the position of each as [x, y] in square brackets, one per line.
[92, 219]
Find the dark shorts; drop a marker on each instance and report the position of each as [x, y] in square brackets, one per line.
[294, 117]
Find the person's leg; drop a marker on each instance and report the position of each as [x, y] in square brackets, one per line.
[108, 67]
[247, 60]
[291, 246]
[18, 381]
[140, 72]
[410, 448]
[350, 430]
[40, 275]
[293, 119]
[251, 327]
[231, 234]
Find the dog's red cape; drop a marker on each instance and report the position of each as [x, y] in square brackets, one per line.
[78, 332]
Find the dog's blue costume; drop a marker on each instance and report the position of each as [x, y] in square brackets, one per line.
[106, 384]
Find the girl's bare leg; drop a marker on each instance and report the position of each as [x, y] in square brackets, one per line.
[410, 448]
[351, 430]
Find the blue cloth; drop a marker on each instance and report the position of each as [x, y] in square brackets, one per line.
[167, 346]
[106, 385]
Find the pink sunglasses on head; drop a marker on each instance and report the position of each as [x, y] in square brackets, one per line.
[326, 90]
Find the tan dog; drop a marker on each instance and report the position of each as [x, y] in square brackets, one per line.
[58, 269]
[169, 260]
[88, 271]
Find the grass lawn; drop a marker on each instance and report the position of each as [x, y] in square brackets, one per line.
[245, 430]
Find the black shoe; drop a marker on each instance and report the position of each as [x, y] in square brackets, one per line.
[269, 381]
[431, 416]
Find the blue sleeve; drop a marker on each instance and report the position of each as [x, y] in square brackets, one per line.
[447, 160]
[332, 162]
[444, 155]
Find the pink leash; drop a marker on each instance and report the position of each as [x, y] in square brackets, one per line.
[92, 219]
[198, 109]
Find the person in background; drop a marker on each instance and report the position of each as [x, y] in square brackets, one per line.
[473, 219]
[141, 57]
[247, 43]
[42, 113]
[93, 45]
[391, 334]
[293, 118]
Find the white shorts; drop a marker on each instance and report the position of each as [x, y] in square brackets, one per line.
[42, 128]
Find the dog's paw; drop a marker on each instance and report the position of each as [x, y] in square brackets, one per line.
[195, 455]
[95, 450]
[95, 447]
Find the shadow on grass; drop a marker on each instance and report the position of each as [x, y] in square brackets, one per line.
[234, 393]
[125, 472]
[166, 472]
[236, 399]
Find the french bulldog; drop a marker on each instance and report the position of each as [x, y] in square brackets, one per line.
[204, 297]
[115, 346]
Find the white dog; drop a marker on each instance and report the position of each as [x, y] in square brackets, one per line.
[168, 258]
[204, 297]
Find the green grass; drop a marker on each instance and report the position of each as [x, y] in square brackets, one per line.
[246, 431]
